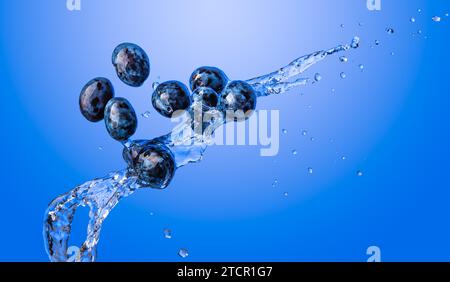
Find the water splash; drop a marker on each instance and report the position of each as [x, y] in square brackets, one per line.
[103, 194]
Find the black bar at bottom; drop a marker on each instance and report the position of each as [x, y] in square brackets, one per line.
[227, 271]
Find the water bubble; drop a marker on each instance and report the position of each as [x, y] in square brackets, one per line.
[361, 67]
[446, 14]
[275, 183]
[317, 77]
[412, 19]
[392, 53]
[294, 152]
[183, 253]
[343, 59]
[152, 213]
[419, 32]
[360, 24]
[304, 132]
[436, 19]
[285, 194]
[342, 25]
[343, 75]
[333, 90]
[312, 139]
[310, 170]
[359, 173]
[285, 131]
[390, 30]
[377, 42]
[419, 10]
[343, 158]
[100, 148]
[146, 114]
[167, 233]
[355, 42]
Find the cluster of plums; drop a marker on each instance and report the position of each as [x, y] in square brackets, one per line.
[153, 161]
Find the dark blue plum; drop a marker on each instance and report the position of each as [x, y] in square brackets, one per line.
[93, 98]
[208, 98]
[238, 96]
[210, 77]
[131, 63]
[120, 119]
[155, 165]
[171, 96]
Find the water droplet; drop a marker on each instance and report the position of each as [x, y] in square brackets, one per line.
[146, 114]
[419, 10]
[167, 233]
[275, 183]
[343, 75]
[342, 25]
[294, 152]
[155, 85]
[100, 148]
[152, 213]
[304, 132]
[361, 67]
[359, 173]
[436, 19]
[360, 24]
[377, 42]
[446, 14]
[343, 158]
[317, 77]
[333, 90]
[392, 53]
[285, 194]
[183, 253]
[285, 131]
[390, 30]
[310, 170]
[343, 59]
[313, 139]
[412, 19]
[355, 42]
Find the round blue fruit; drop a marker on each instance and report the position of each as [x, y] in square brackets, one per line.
[208, 98]
[210, 77]
[155, 166]
[238, 96]
[170, 97]
[93, 98]
[120, 119]
[131, 63]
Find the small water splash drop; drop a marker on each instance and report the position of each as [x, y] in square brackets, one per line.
[412, 19]
[146, 114]
[275, 183]
[285, 131]
[286, 194]
[294, 152]
[167, 233]
[152, 213]
[304, 132]
[100, 148]
[361, 67]
[310, 170]
[419, 10]
[155, 85]
[436, 19]
[183, 253]
[342, 25]
[359, 173]
[343, 75]
[377, 42]
[343, 158]
[317, 77]
[390, 30]
[343, 59]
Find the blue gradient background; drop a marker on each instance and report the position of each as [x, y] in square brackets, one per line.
[390, 121]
